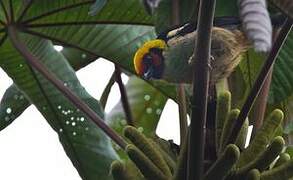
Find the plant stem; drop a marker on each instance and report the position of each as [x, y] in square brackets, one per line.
[36, 64]
[11, 12]
[260, 80]
[124, 98]
[200, 90]
[175, 12]
[259, 107]
[182, 113]
[107, 90]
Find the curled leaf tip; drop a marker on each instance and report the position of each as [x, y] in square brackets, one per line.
[256, 24]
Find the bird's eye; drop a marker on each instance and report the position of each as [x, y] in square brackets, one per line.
[148, 57]
[147, 60]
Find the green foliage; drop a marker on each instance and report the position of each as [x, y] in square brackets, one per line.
[263, 160]
[114, 31]
[146, 104]
[226, 8]
[99, 4]
[13, 100]
[151, 161]
[100, 35]
[250, 66]
[223, 109]
[224, 163]
[84, 143]
[149, 157]
[119, 171]
[241, 139]
[253, 175]
[262, 138]
[146, 166]
[166, 156]
[282, 85]
[143, 144]
[284, 171]
[284, 157]
[228, 125]
[16, 100]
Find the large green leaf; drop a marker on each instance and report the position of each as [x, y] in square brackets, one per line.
[78, 59]
[146, 105]
[114, 33]
[13, 102]
[282, 81]
[250, 66]
[114, 12]
[14, 99]
[226, 8]
[88, 148]
[79, 14]
[86, 145]
[99, 4]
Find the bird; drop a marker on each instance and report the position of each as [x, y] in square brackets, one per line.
[170, 56]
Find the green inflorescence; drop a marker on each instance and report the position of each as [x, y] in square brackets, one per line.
[119, 171]
[283, 158]
[263, 159]
[144, 145]
[222, 113]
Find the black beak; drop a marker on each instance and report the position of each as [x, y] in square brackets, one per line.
[149, 73]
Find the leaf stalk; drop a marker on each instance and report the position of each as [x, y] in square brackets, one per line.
[82, 106]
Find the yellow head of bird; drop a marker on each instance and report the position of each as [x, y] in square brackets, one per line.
[148, 57]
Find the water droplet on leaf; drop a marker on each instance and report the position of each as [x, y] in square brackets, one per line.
[8, 110]
[147, 97]
[158, 111]
[149, 110]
